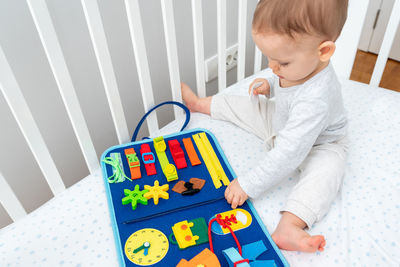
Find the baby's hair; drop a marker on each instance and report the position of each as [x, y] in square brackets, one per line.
[324, 18]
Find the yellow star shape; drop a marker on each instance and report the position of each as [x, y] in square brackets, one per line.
[156, 192]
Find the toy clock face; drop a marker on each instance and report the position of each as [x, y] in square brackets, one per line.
[146, 246]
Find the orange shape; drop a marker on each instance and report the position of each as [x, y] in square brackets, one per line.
[133, 162]
[197, 183]
[179, 187]
[194, 159]
[205, 258]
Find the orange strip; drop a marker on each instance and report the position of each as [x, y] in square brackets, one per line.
[135, 170]
[194, 159]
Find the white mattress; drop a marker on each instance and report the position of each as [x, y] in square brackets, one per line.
[361, 229]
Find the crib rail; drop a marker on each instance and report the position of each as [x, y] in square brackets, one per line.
[221, 26]
[139, 49]
[386, 44]
[98, 37]
[172, 51]
[24, 118]
[197, 19]
[10, 202]
[51, 44]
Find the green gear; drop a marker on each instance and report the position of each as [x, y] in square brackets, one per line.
[134, 197]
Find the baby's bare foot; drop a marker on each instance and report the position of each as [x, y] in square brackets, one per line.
[190, 98]
[292, 237]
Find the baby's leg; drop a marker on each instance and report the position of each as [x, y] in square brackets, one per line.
[255, 118]
[320, 180]
[193, 102]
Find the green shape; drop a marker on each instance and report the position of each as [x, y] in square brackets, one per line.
[168, 169]
[118, 170]
[160, 147]
[133, 160]
[134, 197]
[200, 229]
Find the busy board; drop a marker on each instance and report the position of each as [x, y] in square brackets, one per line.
[167, 206]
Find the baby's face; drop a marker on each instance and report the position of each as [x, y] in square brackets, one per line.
[293, 60]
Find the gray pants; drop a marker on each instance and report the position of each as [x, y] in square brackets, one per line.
[321, 173]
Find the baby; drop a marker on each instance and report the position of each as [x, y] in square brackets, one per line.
[298, 113]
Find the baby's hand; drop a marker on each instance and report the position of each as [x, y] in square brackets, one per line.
[263, 89]
[235, 195]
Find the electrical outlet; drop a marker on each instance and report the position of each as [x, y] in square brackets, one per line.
[211, 63]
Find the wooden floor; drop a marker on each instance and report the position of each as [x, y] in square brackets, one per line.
[364, 66]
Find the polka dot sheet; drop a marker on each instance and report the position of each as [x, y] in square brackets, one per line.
[361, 228]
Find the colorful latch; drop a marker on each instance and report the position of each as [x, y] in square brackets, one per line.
[133, 162]
[148, 159]
[168, 169]
[177, 154]
[214, 167]
[189, 233]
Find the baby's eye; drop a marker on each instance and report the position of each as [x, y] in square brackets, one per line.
[284, 64]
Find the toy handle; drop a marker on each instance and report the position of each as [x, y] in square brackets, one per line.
[172, 240]
[187, 112]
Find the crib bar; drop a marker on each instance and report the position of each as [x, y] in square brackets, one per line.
[172, 52]
[257, 59]
[386, 46]
[197, 18]
[221, 25]
[142, 65]
[99, 41]
[52, 48]
[10, 201]
[19, 108]
[242, 25]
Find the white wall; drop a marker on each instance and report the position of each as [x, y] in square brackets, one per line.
[22, 46]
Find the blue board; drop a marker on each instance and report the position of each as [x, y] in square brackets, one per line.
[207, 203]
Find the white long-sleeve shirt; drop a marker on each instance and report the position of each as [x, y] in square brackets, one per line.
[305, 115]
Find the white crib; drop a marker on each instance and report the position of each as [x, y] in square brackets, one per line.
[73, 228]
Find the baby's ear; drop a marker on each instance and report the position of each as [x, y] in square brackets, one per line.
[326, 50]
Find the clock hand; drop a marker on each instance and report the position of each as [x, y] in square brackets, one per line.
[145, 246]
